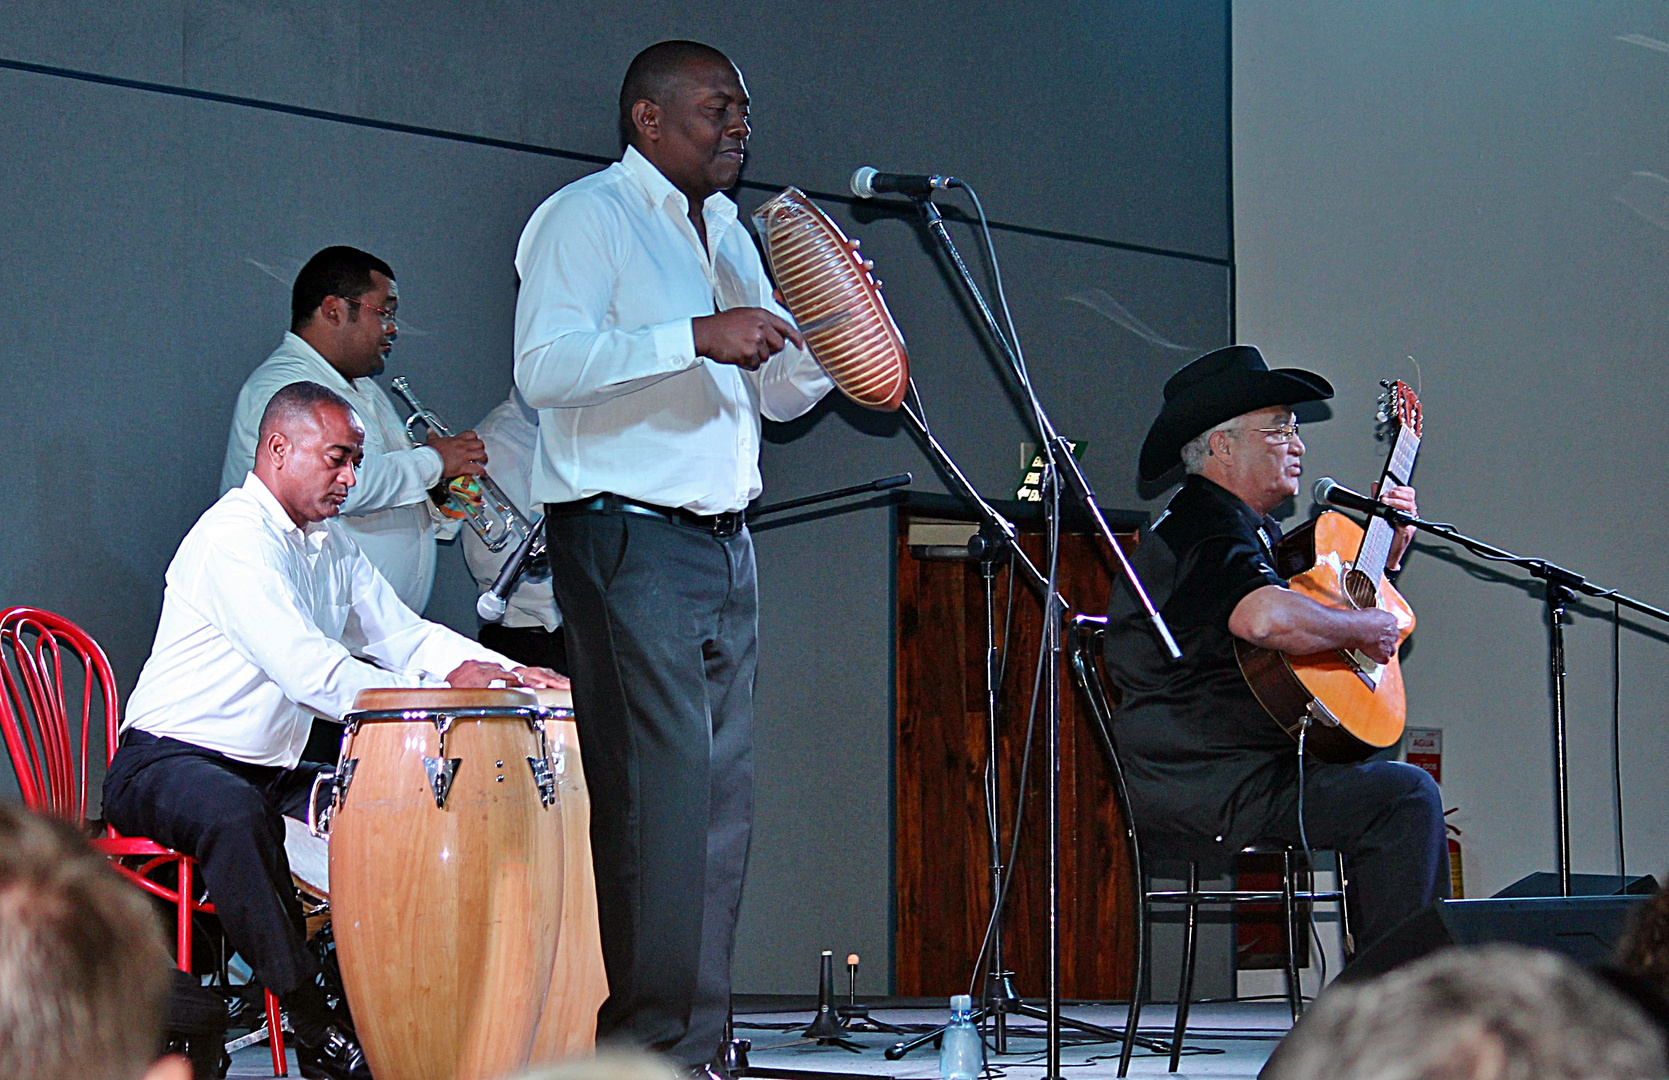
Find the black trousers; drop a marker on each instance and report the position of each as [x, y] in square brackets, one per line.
[1386, 817]
[661, 625]
[229, 816]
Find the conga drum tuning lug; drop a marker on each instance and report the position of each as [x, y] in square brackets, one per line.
[319, 824]
[544, 779]
[441, 772]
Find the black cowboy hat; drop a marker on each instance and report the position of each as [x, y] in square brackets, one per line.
[1219, 386]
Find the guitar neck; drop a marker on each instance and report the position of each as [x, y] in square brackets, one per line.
[1376, 543]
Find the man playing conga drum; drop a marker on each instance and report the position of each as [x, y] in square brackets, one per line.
[267, 608]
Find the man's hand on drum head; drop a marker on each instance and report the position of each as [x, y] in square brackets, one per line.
[474, 674]
[543, 678]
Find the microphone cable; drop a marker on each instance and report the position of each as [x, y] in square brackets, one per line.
[1616, 736]
[1309, 862]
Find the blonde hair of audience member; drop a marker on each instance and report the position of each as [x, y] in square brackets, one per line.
[1500, 1012]
[84, 975]
[607, 1065]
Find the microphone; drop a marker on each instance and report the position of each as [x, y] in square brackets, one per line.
[492, 604]
[1330, 491]
[868, 183]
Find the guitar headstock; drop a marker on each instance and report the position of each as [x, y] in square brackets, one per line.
[1399, 408]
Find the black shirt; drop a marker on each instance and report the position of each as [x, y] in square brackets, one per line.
[1202, 758]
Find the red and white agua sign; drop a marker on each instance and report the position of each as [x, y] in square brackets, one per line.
[1425, 749]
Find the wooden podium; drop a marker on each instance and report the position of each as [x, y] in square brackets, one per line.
[942, 853]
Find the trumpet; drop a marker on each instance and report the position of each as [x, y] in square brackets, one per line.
[475, 500]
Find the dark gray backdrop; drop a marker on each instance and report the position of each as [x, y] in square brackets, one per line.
[150, 239]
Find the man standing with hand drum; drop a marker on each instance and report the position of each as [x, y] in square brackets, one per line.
[647, 338]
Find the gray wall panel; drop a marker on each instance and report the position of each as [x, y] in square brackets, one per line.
[132, 41]
[1087, 117]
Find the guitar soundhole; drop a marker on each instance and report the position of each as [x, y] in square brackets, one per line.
[1360, 588]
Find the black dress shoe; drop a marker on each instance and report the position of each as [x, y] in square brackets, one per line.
[335, 1057]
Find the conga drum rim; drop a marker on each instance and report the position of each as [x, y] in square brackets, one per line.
[559, 701]
[441, 699]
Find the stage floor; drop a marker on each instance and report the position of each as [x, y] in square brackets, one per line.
[1226, 1040]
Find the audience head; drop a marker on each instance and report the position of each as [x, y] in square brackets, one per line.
[308, 450]
[1499, 1012]
[84, 975]
[1644, 950]
[337, 306]
[1641, 967]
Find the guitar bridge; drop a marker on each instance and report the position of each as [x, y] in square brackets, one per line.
[1366, 667]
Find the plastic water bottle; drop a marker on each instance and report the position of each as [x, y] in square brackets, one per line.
[961, 1053]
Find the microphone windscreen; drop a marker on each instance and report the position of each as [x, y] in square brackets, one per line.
[862, 182]
[491, 606]
[1323, 489]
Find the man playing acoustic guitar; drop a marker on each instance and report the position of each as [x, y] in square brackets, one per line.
[1209, 771]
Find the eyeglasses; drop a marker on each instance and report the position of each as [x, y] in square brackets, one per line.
[384, 314]
[1278, 436]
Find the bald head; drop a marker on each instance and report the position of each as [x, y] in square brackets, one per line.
[308, 450]
[294, 404]
[654, 74]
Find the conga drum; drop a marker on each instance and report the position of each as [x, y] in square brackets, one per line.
[446, 879]
[578, 982]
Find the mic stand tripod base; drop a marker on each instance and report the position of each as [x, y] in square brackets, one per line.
[1017, 1007]
[857, 1018]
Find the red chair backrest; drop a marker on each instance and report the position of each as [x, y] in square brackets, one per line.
[43, 658]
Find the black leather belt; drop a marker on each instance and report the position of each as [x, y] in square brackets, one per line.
[720, 525]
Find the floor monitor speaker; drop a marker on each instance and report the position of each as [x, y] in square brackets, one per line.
[1585, 928]
[1546, 883]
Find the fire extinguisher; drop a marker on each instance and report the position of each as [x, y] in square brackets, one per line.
[1457, 875]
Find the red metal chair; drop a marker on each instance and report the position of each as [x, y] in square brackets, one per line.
[49, 754]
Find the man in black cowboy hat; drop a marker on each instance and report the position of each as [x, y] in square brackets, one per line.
[1209, 771]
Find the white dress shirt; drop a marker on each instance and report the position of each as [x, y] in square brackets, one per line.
[511, 432]
[388, 512]
[612, 274]
[261, 622]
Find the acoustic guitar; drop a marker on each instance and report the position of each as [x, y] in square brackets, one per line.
[1355, 706]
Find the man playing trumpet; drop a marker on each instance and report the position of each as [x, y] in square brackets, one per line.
[342, 327]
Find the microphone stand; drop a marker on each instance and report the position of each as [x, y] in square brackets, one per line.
[1559, 588]
[532, 549]
[885, 483]
[996, 536]
[1059, 467]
